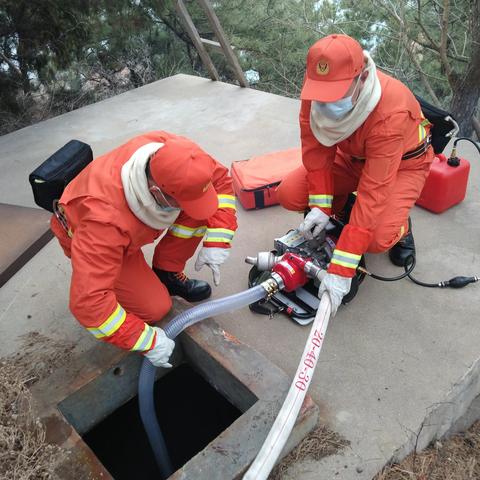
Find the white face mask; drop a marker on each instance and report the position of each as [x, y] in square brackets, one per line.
[169, 209]
[336, 110]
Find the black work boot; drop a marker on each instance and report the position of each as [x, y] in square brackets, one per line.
[403, 249]
[179, 284]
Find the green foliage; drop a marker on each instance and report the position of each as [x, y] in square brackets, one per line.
[43, 35]
[56, 55]
[404, 38]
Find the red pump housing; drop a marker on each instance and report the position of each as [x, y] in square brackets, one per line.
[292, 270]
[446, 184]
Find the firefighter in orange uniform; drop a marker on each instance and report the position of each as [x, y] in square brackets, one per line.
[361, 131]
[155, 183]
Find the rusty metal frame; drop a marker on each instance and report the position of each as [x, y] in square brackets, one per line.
[23, 232]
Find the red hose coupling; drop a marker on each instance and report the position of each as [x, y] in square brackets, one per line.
[292, 271]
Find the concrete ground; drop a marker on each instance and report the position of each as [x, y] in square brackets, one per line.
[400, 364]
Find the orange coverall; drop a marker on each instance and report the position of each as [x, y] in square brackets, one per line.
[114, 293]
[369, 162]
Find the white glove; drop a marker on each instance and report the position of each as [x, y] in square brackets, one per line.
[337, 287]
[315, 218]
[162, 350]
[213, 257]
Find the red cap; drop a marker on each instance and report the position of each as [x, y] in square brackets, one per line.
[184, 171]
[332, 63]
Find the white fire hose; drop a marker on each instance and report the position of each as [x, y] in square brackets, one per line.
[280, 431]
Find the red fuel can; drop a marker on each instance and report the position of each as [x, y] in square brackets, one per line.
[446, 184]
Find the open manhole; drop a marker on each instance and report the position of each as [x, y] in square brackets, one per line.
[215, 410]
[191, 414]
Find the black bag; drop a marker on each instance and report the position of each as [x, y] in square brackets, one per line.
[49, 180]
[444, 125]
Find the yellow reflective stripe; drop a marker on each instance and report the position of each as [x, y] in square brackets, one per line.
[222, 235]
[343, 264]
[321, 205]
[222, 230]
[111, 324]
[421, 133]
[421, 130]
[345, 259]
[145, 339]
[226, 201]
[218, 240]
[347, 254]
[182, 231]
[192, 230]
[321, 196]
[324, 201]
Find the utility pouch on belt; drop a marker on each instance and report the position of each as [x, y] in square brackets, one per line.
[50, 179]
[444, 125]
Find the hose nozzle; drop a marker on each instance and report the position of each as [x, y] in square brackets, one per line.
[263, 261]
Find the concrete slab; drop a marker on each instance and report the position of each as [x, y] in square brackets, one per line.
[398, 360]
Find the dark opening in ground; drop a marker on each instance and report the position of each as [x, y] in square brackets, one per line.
[190, 411]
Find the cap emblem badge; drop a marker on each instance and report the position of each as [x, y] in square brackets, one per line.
[322, 68]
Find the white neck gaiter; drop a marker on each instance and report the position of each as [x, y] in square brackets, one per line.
[330, 132]
[135, 185]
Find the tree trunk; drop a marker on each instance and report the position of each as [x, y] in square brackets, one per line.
[476, 127]
[465, 100]
[466, 88]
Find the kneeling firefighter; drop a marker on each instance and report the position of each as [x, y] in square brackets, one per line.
[155, 183]
[362, 131]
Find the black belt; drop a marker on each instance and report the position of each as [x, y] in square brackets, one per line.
[416, 152]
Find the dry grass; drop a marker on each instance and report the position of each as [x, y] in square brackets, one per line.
[457, 458]
[24, 453]
[319, 443]
[40, 356]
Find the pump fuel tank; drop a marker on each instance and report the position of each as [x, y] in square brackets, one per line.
[446, 184]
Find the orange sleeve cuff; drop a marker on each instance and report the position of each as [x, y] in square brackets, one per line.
[352, 244]
[320, 190]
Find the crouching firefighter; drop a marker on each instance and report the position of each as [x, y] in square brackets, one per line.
[361, 131]
[155, 183]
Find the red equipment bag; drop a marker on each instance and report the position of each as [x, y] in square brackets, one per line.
[255, 180]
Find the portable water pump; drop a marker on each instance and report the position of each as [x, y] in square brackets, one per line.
[300, 304]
